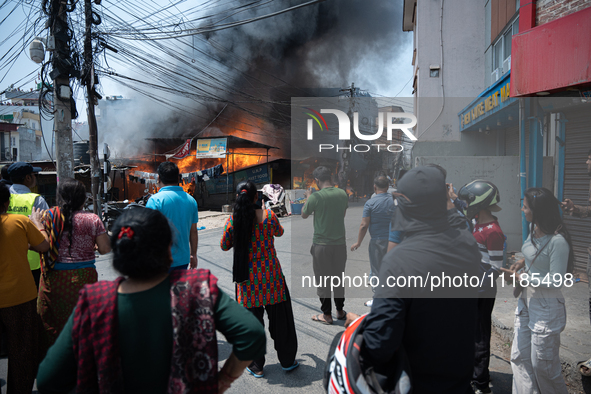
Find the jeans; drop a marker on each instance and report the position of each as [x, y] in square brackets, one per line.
[377, 251]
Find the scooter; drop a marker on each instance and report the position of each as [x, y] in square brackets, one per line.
[274, 199]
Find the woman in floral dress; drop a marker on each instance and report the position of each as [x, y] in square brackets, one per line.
[260, 284]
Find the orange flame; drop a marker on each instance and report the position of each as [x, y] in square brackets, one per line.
[237, 159]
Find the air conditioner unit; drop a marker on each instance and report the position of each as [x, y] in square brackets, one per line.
[507, 64]
[494, 76]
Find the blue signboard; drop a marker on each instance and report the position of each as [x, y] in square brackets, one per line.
[258, 174]
[491, 101]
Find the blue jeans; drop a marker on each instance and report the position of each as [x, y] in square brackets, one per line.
[377, 251]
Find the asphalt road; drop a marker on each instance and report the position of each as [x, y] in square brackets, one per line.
[314, 338]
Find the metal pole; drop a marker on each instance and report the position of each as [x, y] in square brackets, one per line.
[561, 139]
[95, 167]
[227, 175]
[106, 171]
[522, 173]
[62, 96]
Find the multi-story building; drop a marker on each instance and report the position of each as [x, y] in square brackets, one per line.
[489, 72]
[552, 68]
[23, 107]
[23, 143]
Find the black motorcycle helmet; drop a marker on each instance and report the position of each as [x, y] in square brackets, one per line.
[479, 195]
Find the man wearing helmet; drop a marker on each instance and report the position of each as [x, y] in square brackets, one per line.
[482, 198]
[581, 211]
[432, 326]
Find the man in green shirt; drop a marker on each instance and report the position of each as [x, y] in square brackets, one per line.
[329, 252]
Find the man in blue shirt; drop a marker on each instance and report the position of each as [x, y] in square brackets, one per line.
[377, 214]
[181, 210]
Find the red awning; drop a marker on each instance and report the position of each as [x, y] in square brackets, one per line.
[552, 57]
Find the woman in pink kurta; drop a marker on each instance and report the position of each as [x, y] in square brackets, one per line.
[69, 265]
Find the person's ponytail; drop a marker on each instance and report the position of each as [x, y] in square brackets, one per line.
[243, 220]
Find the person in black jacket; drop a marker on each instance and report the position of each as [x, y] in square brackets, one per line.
[434, 325]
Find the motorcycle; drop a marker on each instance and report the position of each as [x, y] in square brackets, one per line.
[347, 373]
[111, 210]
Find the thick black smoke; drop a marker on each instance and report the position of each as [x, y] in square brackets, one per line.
[326, 45]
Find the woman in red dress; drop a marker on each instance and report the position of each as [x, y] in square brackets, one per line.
[260, 283]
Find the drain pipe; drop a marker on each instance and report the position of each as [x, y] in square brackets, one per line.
[522, 168]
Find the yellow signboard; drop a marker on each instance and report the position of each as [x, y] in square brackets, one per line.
[211, 148]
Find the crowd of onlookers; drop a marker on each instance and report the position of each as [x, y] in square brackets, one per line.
[68, 330]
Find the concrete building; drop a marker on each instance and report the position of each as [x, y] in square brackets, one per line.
[551, 71]
[8, 140]
[453, 49]
[473, 62]
[25, 104]
[24, 143]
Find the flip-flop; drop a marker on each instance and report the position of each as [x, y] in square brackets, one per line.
[320, 318]
[344, 317]
[256, 375]
[585, 367]
[294, 366]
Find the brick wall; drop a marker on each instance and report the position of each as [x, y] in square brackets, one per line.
[549, 10]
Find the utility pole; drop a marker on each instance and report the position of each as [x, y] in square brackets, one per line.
[62, 95]
[345, 157]
[95, 167]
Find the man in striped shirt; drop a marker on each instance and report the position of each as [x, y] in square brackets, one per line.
[490, 238]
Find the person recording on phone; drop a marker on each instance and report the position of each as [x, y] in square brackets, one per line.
[540, 316]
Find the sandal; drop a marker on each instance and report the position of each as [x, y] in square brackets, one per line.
[344, 317]
[585, 367]
[294, 366]
[321, 319]
[255, 374]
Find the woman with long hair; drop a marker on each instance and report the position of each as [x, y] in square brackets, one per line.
[18, 293]
[260, 284]
[70, 263]
[541, 314]
[150, 331]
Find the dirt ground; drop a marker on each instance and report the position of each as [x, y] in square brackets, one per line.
[500, 368]
[212, 220]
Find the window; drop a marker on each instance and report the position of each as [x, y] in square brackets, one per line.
[498, 49]
[502, 47]
[507, 44]
[515, 26]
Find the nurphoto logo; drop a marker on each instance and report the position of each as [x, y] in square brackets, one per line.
[393, 121]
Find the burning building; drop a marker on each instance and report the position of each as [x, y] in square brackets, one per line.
[239, 82]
